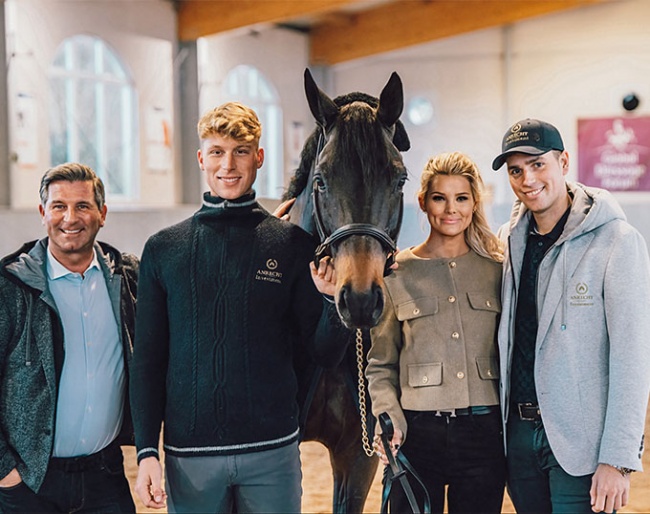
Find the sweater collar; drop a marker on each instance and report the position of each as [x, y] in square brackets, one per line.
[216, 202]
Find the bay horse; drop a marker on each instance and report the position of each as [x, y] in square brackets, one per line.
[348, 190]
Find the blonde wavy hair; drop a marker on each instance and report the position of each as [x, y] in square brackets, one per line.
[232, 119]
[478, 235]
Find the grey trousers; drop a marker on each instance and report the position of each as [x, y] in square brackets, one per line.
[266, 481]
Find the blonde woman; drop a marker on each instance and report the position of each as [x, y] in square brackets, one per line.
[433, 366]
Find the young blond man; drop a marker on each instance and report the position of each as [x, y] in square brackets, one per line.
[225, 298]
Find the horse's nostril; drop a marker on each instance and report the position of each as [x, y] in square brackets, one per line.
[360, 309]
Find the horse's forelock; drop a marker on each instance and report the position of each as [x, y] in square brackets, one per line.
[359, 138]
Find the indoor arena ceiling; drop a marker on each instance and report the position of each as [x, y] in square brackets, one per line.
[341, 30]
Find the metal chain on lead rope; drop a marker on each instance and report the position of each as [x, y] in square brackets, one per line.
[362, 396]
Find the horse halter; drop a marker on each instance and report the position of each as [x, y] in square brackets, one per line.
[351, 229]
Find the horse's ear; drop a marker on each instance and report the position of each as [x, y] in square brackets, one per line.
[322, 107]
[391, 101]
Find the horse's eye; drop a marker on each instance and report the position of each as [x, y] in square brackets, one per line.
[319, 183]
[401, 181]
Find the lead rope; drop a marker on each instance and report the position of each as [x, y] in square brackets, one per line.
[362, 396]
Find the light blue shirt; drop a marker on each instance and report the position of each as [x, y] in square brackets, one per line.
[92, 387]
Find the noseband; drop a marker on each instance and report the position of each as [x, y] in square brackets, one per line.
[352, 229]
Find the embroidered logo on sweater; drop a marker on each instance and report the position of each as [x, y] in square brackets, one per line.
[582, 296]
[270, 274]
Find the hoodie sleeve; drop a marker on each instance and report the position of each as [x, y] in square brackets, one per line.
[627, 297]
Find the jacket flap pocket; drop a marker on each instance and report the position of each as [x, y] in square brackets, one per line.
[417, 308]
[484, 302]
[423, 375]
[488, 368]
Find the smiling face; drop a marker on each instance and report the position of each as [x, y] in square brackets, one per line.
[449, 205]
[539, 182]
[72, 219]
[230, 165]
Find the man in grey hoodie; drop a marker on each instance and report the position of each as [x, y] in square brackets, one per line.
[574, 336]
[67, 318]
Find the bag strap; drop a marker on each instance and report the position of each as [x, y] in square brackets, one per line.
[398, 468]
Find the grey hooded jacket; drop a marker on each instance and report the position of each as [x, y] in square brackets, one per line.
[31, 353]
[592, 353]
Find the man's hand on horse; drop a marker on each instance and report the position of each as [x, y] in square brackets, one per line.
[395, 443]
[325, 276]
[282, 210]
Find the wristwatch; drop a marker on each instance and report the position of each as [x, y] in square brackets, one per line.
[623, 471]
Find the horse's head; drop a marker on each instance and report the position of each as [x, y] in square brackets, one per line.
[357, 175]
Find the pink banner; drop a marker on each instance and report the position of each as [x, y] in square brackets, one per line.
[614, 153]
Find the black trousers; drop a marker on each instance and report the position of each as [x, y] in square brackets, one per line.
[463, 453]
[94, 483]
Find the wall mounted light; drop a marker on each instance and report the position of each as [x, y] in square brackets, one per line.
[630, 102]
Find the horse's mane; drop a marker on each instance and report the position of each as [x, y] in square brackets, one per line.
[308, 153]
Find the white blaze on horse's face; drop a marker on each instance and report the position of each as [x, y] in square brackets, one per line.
[230, 165]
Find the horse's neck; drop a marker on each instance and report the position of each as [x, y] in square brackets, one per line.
[302, 212]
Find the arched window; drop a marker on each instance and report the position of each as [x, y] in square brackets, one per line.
[246, 84]
[93, 113]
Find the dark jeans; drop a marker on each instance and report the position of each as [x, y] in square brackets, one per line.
[95, 483]
[464, 453]
[536, 482]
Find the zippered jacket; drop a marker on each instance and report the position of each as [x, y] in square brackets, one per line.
[32, 353]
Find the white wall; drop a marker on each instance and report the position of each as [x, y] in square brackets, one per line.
[143, 34]
[562, 67]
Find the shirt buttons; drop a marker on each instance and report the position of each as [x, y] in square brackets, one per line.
[452, 264]
[451, 299]
[416, 311]
[460, 375]
[488, 303]
[489, 372]
[425, 379]
[455, 335]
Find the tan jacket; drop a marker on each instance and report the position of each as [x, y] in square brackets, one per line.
[435, 345]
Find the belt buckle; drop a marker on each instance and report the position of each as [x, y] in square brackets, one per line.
[521, 406]
[447, 413]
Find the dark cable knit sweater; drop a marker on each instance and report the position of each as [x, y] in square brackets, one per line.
[224, 297]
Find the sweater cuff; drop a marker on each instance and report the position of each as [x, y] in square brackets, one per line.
[148, 452]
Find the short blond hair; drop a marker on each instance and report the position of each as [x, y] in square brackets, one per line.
[478, 235]
[232, 119]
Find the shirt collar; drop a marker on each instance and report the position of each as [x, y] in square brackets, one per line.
[557, 229]
[57, 270]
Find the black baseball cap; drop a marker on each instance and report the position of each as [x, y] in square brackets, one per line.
[529, 136]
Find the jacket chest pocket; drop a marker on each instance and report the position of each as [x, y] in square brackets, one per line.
[484, 302]
[418, 308]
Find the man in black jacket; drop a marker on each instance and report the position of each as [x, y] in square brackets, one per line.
[67, 307]
[224, 297]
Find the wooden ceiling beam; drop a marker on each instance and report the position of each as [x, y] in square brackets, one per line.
[197, 18]
[410, 22]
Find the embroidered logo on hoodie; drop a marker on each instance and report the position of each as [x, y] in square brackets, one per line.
[582, 297]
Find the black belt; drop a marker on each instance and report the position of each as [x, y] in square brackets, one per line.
[528, 411]
[94, 461]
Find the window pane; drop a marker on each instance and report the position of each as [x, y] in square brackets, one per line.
[92, 113]
[58, 132]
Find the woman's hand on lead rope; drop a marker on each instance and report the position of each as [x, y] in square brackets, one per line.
[395, 444]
